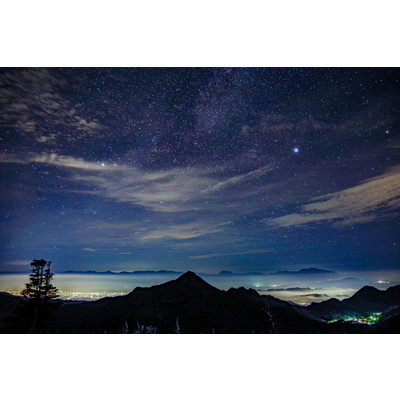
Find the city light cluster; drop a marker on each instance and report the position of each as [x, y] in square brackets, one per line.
[89, 296]
[371, 319]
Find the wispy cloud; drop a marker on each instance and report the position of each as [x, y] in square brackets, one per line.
[169, 191]
[240, 179]
[254, 251]
[184, 231]
[61, 161]
[75, 163]
[154, 228]
[18, 262]
[376, 198]
[175, 190]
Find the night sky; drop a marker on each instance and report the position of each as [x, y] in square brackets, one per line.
[202, 169]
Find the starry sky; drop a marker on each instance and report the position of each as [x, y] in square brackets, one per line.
[202, 169]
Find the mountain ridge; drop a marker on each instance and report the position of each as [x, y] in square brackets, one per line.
[221, 273]
[367, 299]
[303, 271]
[189, 304]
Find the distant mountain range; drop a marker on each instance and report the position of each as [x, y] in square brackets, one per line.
[302, 272]
[188, 304]
[122, 272]
[228, 273]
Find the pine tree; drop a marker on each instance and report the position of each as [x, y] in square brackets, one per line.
[39, 289]
[37, 311]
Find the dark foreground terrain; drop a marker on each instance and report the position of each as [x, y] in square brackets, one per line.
[190, 305]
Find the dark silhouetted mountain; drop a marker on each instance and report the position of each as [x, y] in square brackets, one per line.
[366, 294]
[188, 304]
[302, 272]
[390, 321]
[9, 305]
[326, 309]
[367, 299]
[187, 285]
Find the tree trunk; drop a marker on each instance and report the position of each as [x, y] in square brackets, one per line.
[34, 323]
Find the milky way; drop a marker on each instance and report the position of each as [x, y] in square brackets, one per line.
[203, 169]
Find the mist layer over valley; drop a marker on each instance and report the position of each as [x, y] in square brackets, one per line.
[300, 287]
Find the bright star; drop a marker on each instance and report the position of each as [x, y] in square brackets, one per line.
[296, 150]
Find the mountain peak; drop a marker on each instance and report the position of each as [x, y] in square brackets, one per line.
[190, 278]
[189, 275]
[366, 292]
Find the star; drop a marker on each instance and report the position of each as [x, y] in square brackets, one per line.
[181, 163]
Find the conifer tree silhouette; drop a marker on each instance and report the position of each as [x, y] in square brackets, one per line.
[38, 291]
[39, 288]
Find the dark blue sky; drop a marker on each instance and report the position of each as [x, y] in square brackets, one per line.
[203, 169]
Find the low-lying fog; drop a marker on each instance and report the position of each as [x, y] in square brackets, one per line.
[303, 290]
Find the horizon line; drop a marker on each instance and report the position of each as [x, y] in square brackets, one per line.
[222, 272]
